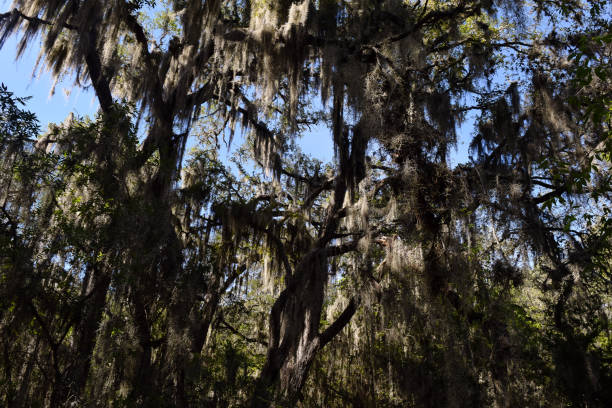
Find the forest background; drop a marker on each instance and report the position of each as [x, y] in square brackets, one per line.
[141, 265]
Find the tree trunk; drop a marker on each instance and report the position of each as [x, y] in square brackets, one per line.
[71, 386]
[24, 377]
[294, 334]
[142, 382]
[86, 334]
[294, 325]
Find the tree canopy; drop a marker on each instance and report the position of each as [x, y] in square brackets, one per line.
[137, 272]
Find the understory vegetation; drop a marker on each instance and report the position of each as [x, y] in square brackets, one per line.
[141, 265]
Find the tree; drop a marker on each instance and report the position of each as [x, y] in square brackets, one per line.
[135, 275]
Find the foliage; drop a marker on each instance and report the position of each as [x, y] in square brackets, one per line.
[137, 272]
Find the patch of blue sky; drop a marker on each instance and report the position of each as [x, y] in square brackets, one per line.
[20, 78]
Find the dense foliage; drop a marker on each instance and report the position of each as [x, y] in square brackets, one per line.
[137, 272]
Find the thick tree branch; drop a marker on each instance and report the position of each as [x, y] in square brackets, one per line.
[94, 66]
[200, 96]
[552, 194]
[339, 324]
[341, 249]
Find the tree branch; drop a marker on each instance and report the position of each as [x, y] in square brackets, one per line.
[427, 18]
[339, 324]
[35, 20]
[341, 249]
[237, 333]
[552, 194]
[94, 66]
[92, 59]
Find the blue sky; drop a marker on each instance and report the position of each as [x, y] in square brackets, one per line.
[17, 76]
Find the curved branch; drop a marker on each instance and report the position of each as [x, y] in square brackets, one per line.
[336, 327]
